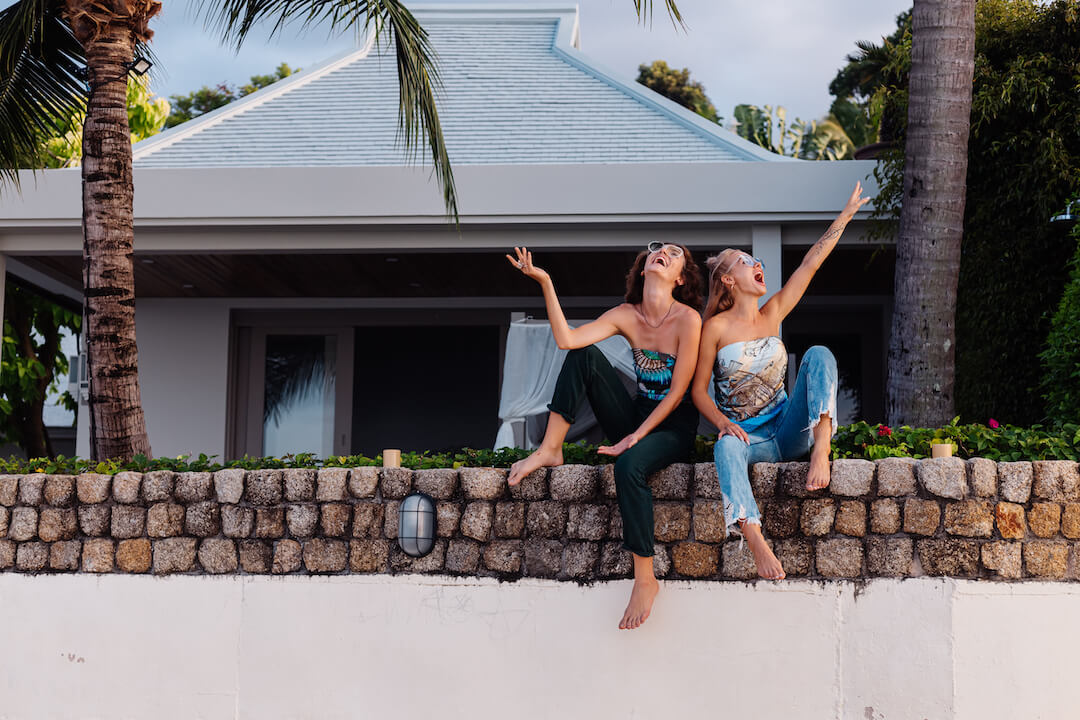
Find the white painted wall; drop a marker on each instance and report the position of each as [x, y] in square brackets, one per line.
[414, 647]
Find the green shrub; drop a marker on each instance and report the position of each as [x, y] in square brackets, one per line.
[1061, 358]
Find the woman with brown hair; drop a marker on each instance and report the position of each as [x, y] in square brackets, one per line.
[660, 320]
[742, 351]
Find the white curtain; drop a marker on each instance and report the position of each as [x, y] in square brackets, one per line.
[530, 369]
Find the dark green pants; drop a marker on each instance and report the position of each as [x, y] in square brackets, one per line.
[587, 374]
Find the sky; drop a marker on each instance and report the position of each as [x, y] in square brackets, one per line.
[771, 52]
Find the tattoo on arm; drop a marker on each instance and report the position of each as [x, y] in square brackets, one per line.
[831, 234]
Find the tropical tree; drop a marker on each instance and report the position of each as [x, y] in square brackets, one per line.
[206, 98]
[823, 139]
[677, 86]
[47, 47]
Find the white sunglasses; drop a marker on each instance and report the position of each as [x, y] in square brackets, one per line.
[673, 250]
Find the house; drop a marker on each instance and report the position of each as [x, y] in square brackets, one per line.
[300, 288]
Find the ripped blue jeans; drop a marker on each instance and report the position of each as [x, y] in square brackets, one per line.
[788, 436]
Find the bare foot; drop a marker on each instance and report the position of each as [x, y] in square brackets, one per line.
[640, 605]
[818, 477]
[541, 457]
[768, 566]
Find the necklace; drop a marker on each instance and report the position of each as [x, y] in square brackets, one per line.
[641, 312]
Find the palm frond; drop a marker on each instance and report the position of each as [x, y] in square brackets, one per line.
[644, 10]
[418, 117]
[40, 83]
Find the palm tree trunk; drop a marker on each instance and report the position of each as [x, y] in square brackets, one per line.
[117, 426]
[922, 344]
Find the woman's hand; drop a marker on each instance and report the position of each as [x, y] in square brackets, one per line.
[524, 263]
[854, 203]
[726, 427]
[620, 447]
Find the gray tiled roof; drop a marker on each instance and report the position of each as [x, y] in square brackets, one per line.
[510, 96]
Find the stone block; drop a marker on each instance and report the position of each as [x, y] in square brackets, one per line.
[1003, 558]
[5, 516]
[607, 481]
[706, 484]
[7, 554]
[673, 482]
[462, 556]
[546, 518]
[299, 484]
[970, 518]
[23, 524]
[236, 521]
[229, 485]
[325, 556]
[615, 526]
[173, 555]
[431, 563]
[1010, 520]
[696, 560]
[661, 561]
[255, 556]
[97, 555]
[921, 517]
[93, 488]
[1070, 521]
[368, 555]
[1057, 480]
[671, 522]
[57, 524]
[503, 556]
[851, 478]
[217, 556]
[884, 516]
[165, 519]
[796, 557]
[263, 487]
[367, 520]
[60, 490]
[943, 477]
[94, 520]
[391, 518]
[792, 479]
[447, 518]
[839, 558]
[288, 556]
[1074, 562]
[193, 487]
[64, 555]
[32, 489]
[483, 483]
[533, 486]
[128, 521]
[895, 476]
[1046, 559]
[889, 557]
[203, 519]
[1014, 481]
[543, 558]
[302, 519]
[982, 477]
[157, 486]
[477, 519]
[269, 522]
[588, 522]
[509, 519]
[781, 518]
[1044, 519]
[31, 556]
[334, 519]
[817, 516]
[581, 560]
[363, 481]
[395, 483]
[958, 558]
[9, 490]
[615, 561]
[126, 487]
[573, 483]
[763, 479]
[133, 556]
[709, 523]
[331, 484]
[851, 518]
[738, 561]
[440, 483]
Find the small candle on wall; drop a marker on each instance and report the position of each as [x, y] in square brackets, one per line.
[941, 450]
[391, 458]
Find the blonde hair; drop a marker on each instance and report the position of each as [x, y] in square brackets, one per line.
[720, 296]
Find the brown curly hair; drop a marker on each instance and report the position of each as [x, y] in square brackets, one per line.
[689, 293]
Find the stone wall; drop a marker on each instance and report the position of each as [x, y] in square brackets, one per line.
[890, 518]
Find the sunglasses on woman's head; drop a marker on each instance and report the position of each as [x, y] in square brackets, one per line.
[747, 261]
[673, 250]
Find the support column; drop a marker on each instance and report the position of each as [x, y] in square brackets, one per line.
[3, 283]
[765, 241]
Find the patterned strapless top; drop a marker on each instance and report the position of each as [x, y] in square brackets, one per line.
[653, 370]
[749, 380]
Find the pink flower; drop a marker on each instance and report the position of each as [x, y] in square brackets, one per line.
[994, 423]
[884, 431]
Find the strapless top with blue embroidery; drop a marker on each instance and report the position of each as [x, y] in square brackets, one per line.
[748, 378]
[654, 370]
